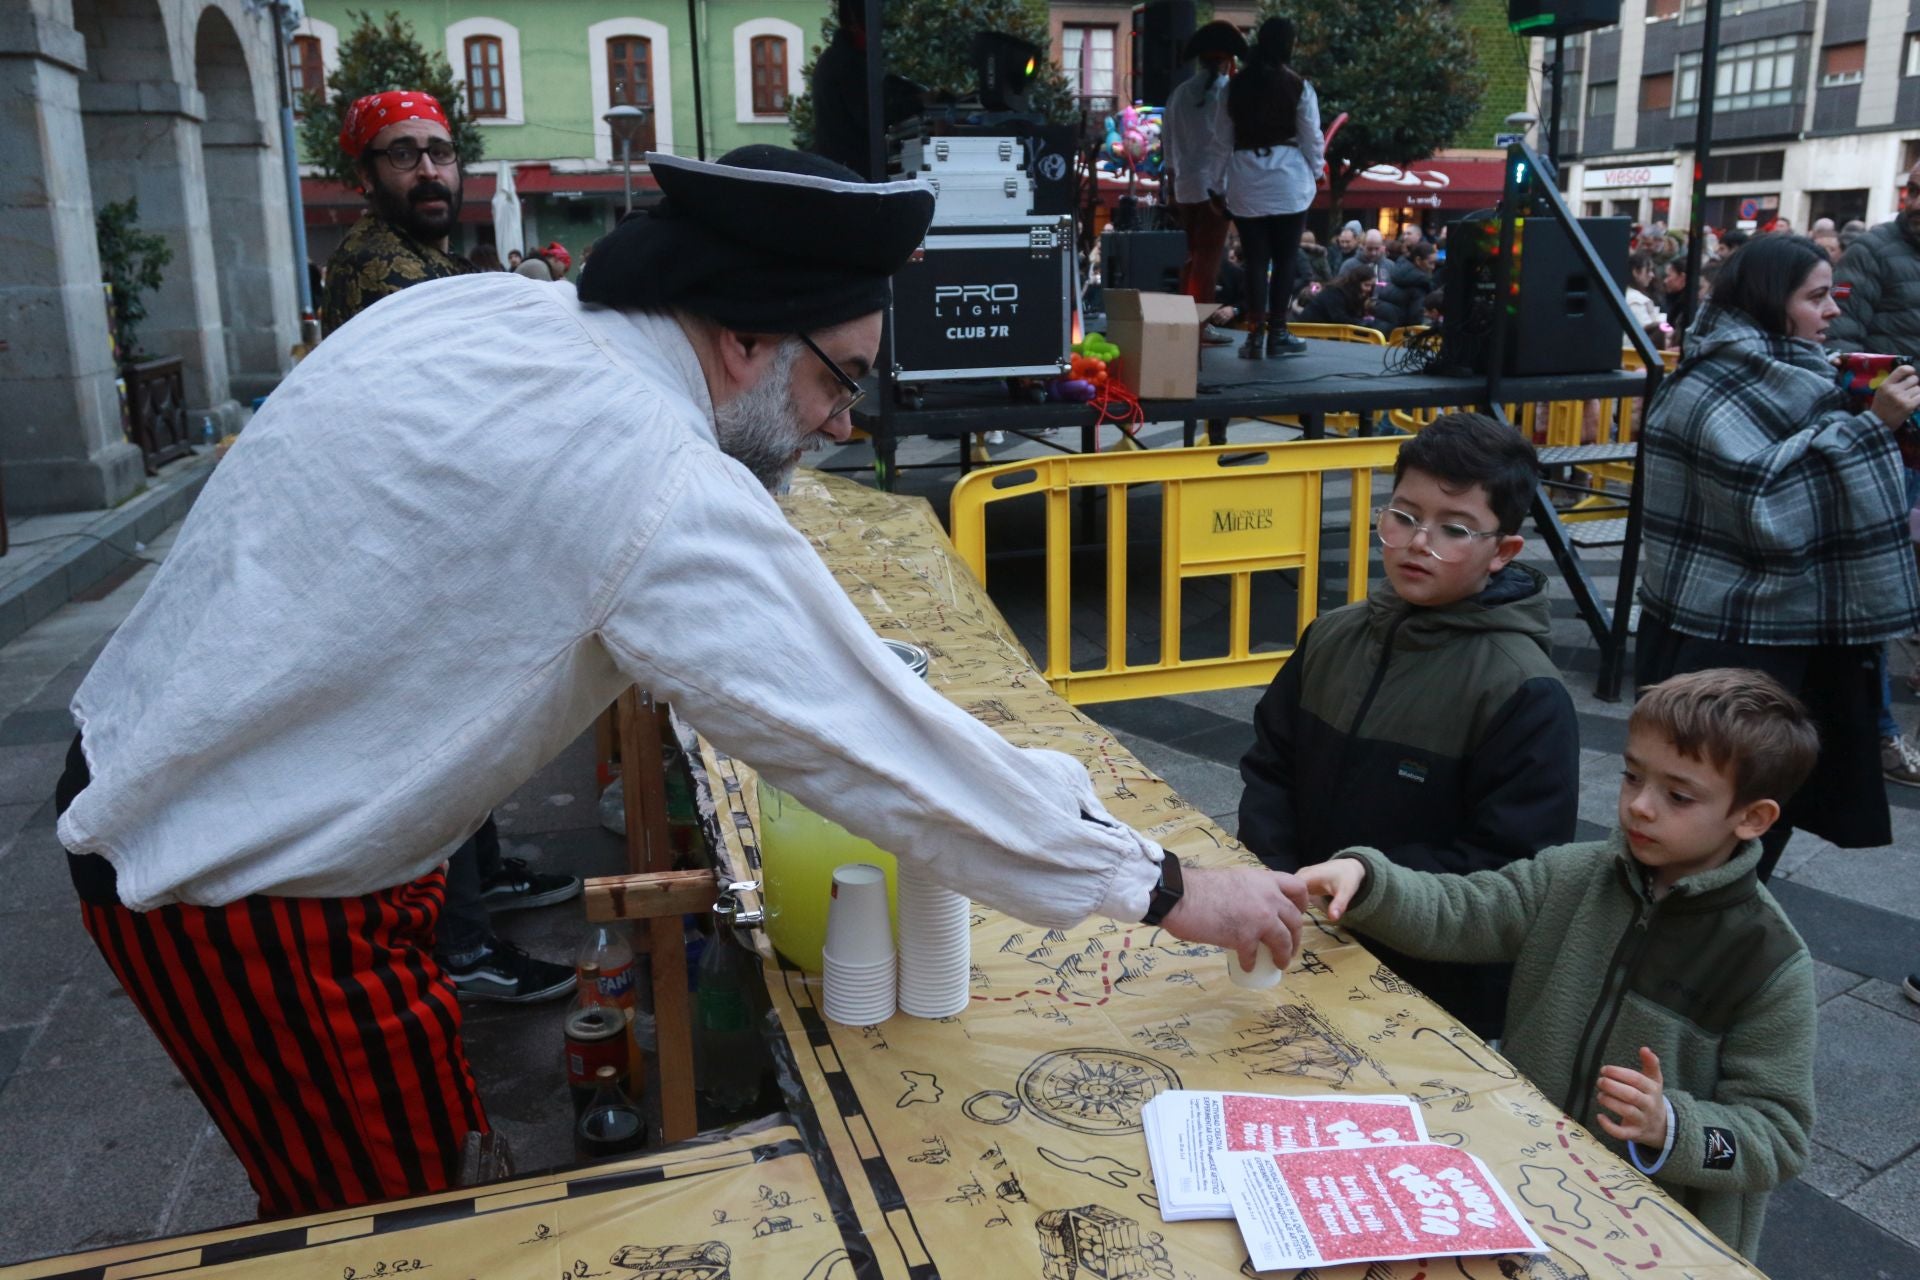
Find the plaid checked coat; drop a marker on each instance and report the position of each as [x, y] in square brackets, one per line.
[1773, 516]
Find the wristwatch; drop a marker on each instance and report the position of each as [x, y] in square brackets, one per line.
[1167, 893]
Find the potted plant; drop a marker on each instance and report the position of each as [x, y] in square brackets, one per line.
[152, 388]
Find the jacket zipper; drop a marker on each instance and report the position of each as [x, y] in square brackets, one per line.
[1626, 961]
[1373, 689]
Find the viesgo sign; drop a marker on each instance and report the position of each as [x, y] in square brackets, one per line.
[1641, 175]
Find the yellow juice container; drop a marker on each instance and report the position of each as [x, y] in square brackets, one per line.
[799, 850]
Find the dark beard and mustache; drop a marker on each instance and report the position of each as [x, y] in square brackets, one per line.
[760, 428]
[403, 208]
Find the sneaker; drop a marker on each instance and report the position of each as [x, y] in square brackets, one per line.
[1254, 348]
[511, 976]
[1912, 987]
[1282, 343]
[1899, 762]
[515, 886]
[996, 437]
[1214, 336]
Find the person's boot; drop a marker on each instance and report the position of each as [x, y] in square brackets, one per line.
[1255, 347]
[1282, 343]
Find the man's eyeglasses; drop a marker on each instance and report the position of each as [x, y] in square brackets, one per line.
[852, 393]
[1445, 541]
[406, 155]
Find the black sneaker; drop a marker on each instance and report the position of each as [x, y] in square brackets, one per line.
[514, 886]
[1912, 987]
[1282, 343]
[511, 976]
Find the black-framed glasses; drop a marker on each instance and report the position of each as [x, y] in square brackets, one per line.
[852, 393]
[1445, 539]
[406, 155]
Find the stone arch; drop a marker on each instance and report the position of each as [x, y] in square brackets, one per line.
[245, 213]
[142, 120]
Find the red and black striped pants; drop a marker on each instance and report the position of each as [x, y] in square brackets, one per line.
[319, 1033]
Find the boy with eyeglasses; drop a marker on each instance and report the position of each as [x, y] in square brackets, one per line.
[1427, 721]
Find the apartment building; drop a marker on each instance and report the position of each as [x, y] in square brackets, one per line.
[1816, 111]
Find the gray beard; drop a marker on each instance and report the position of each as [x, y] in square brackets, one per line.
[760, 428]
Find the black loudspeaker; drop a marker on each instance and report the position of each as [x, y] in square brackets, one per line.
[1152, 261]
[1560, 17]
[1560, 322]
[1160, 34]
[1051, 151]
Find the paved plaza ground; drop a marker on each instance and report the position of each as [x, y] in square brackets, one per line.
[104, 1143]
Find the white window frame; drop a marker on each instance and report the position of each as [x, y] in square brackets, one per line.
[1910, 56]
[1612, 87]
[509, 37]
[1746, 57]
[743, 38]
[660, 51]
[329, 37]
[1080, 71]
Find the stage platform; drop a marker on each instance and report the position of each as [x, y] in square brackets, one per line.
[1331, 378]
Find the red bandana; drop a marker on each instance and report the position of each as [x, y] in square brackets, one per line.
[369, 115]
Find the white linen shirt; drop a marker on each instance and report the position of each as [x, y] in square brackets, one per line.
[1198, 139]
[455, 533]
[1266, 181]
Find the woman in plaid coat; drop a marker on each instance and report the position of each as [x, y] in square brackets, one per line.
[1776, 525]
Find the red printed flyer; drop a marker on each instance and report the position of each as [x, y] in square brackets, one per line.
[1186, 1129]
[1370, 1204]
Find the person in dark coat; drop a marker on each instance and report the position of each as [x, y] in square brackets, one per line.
[1345, 299]
[1409, 281]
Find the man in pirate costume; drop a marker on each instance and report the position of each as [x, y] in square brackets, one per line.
[410, 174]
[582, 478]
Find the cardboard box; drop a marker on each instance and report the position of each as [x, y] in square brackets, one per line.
[1159, 339]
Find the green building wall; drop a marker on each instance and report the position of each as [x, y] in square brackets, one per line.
[1503, 60]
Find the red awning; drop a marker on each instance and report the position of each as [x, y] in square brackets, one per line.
[543, 179]
[1462, 183]
[329, 204]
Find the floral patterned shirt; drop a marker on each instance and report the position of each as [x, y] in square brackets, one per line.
[378, 258]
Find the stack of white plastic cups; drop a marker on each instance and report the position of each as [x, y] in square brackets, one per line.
[858, 962]
[936, 947]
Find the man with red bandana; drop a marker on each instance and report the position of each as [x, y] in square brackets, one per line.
[410, 174]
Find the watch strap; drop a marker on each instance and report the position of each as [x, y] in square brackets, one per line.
[1168, 892]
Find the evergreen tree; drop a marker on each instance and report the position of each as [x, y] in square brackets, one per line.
[930, 42]
[377, 58]
[1403, 71]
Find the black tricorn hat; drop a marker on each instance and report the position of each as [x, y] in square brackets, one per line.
[1216, 38]
[766, 240]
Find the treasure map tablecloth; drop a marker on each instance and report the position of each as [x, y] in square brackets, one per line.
[1007, 1141]
[750, 1205]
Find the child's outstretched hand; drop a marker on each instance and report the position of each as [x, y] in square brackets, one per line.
[1336, 878]
[1637, 1101]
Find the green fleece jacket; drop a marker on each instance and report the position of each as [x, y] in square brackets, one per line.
[1711, 977]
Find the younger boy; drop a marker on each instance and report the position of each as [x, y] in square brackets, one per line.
[1658, 990]
[1427, 721]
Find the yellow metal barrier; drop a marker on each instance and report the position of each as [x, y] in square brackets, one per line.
[1232, 510]
[1359, 333]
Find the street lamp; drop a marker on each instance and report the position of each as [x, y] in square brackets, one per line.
[626, 123]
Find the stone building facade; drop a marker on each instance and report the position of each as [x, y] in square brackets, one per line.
[175, 102]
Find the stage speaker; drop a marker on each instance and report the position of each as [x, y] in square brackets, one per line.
[1152, 261]
[1051, 152]
[1560, 17]
[1160, 34]
[1558, 321]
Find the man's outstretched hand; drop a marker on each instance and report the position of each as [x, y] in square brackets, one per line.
[1240, 908]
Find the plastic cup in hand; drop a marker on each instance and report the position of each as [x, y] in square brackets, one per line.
[859, 928]
[1265, 973]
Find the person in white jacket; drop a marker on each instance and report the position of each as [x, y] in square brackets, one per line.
[283, 740]
[1197, 147]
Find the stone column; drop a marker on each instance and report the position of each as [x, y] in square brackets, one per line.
[252, 253]
[143, 140]
[62, 448]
